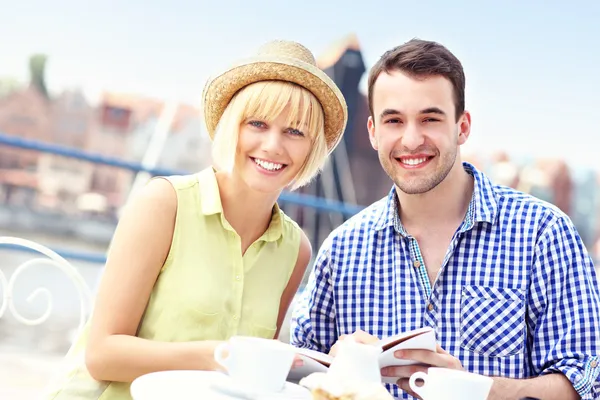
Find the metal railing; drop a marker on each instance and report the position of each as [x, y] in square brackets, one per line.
[298, 199]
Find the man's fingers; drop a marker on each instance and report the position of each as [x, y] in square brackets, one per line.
[421, 356]
[440, 350]
[359, 336]
[297, 361]
[403, 384]
[435, 359]
[363, 337]
[403, 371]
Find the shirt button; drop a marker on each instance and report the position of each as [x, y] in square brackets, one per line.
[235, 317]
[430, 307]
[594, 364]
[237, 277]
[417, 264]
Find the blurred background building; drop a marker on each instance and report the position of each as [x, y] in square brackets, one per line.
[121, 125]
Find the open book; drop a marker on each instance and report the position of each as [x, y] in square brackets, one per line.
[423, 338]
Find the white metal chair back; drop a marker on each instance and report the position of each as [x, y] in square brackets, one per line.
[51, 259]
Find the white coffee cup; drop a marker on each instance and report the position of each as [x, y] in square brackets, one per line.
[258, 365]
[356, 361]
[450, 384]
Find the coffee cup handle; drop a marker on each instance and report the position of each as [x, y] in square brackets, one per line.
[412, 382]
[220, 351]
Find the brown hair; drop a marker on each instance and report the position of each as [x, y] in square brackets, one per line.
[422, 58]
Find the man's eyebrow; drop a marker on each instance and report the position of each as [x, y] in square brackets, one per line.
[389, 111]
[433, 110]
[429, 110]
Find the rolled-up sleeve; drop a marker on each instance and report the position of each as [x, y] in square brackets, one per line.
[313, 318]
[564, 304]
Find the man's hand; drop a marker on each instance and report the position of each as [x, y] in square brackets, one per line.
[424, 359]
[297, 362]
[359, 336]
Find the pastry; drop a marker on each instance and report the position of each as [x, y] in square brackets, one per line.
[325, 386]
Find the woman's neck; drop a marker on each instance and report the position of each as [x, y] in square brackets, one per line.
[249, 212]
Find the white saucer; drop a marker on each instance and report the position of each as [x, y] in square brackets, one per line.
[194, 385]
[290, 391]
[180, 385]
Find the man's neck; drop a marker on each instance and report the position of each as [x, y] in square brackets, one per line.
[444, 206]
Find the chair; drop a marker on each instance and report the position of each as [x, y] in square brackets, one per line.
[25, 375]
[52, 259]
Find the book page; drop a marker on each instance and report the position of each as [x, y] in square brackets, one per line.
[313, 361]
[424, 341]
[389, 342]
[321, 358]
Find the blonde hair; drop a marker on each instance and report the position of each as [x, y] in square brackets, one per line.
[266, 100]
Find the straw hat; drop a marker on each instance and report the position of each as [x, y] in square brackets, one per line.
[285, 61]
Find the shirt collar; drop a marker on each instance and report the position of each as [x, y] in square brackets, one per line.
[482, 208]
[485, 204]
[210, 204]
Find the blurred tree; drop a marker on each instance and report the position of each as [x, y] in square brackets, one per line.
[8, 85]
[37, 66]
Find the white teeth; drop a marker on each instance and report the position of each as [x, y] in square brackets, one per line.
[414, 161]
[269, 166]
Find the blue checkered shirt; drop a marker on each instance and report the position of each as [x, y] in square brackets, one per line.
[517, 295]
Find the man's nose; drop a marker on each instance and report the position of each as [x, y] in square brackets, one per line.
[412, 137]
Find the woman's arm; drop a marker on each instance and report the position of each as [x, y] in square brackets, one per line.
[304, 256]
[137, 253]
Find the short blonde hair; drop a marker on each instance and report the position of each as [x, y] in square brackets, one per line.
[266, 100]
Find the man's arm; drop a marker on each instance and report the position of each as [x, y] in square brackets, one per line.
[547, 387]
[564, 312]
[313, 319]
[554, 386]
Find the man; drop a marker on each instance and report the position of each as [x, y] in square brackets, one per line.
[501, 276]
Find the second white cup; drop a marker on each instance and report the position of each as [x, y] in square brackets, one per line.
[450, 384]
[260, 365]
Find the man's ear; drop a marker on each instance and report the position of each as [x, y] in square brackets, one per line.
[464, 128]
[371, 129]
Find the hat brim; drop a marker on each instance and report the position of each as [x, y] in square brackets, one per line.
[220, 90]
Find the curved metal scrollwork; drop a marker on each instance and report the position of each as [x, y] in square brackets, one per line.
[54, 260]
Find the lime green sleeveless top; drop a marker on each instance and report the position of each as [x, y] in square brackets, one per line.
[206, 289]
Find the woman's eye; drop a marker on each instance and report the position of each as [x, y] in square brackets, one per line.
[296, 132]
[257, 124]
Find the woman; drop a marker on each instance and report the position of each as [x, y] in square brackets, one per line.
[197, 259]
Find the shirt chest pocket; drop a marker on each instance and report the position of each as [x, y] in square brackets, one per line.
[492, 320]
